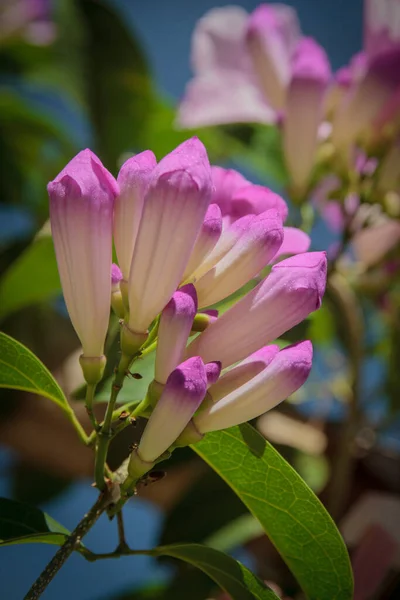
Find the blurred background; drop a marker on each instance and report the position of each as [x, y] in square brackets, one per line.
[108, 75]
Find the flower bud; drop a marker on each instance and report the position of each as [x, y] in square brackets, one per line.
[81, 215]
[286, 372]
[303, 113]
[243, 372]
[175, 205]
[251, 253]
[173, 332]
[133, 179]
[116, 297]
[272, 34]
[182, 395]
[293, 289]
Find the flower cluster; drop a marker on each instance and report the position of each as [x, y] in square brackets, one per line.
[187, 235]
[340, 129]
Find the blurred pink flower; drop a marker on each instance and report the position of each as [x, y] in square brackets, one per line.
[242, 65]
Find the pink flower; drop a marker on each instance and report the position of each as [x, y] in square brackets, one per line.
[283, 373]
[81, 215]
[174, 208]
[182, 395]
[304, 111]
[292, 290]
[133, 179]
[373, 97]
[242, 65]
[175, 325]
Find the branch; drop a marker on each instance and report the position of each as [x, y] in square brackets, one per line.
[72, 543]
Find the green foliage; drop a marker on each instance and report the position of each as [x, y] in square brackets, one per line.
[291, 515]
[119, 88]
[31, 278]
[228, 573]
[20, 369]
[22, 524]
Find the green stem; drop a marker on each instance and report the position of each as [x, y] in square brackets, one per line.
[105, 434]
[90, 391]
[71, 416]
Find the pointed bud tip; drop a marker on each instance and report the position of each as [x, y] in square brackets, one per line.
[312, 274]
[144, 161]
[116, 274]
[187, 166]
[87, 172]
[183, 302]
[310, 61]
[300, 357]
[189, 378]
[212, 223]
[213, 371]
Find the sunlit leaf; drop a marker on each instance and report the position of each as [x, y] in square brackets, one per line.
[20, 369]
[291, 515]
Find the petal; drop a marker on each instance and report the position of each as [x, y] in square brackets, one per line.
[183, 393]
[133, 179]
[222, 97]
[255, 199]
[295, 241]
[207, 239]
[226, 182]
[173, 213]
[304, 111]
[243, 372]
[173, 332]
[227, 240]
[272, 34]
[292, 290]
[287, 372]
[381, 26]
[81, 213]
[213, 371]
[251, 253]
[372, 243]
[218, 40]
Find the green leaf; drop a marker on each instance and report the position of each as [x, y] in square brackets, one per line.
[291, 515]
[32, 278]
[228, 573]
[20, 369]
[23, 524]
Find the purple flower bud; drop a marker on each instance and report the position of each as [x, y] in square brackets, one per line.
[174, 209]
[81, 214]
[303, 112]
[251, 253]
[174, 329]
[116, 276]
[287, 371]
[133, 180]
[183, 393]
[272, 34]
[292, 290]
[213, 371]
